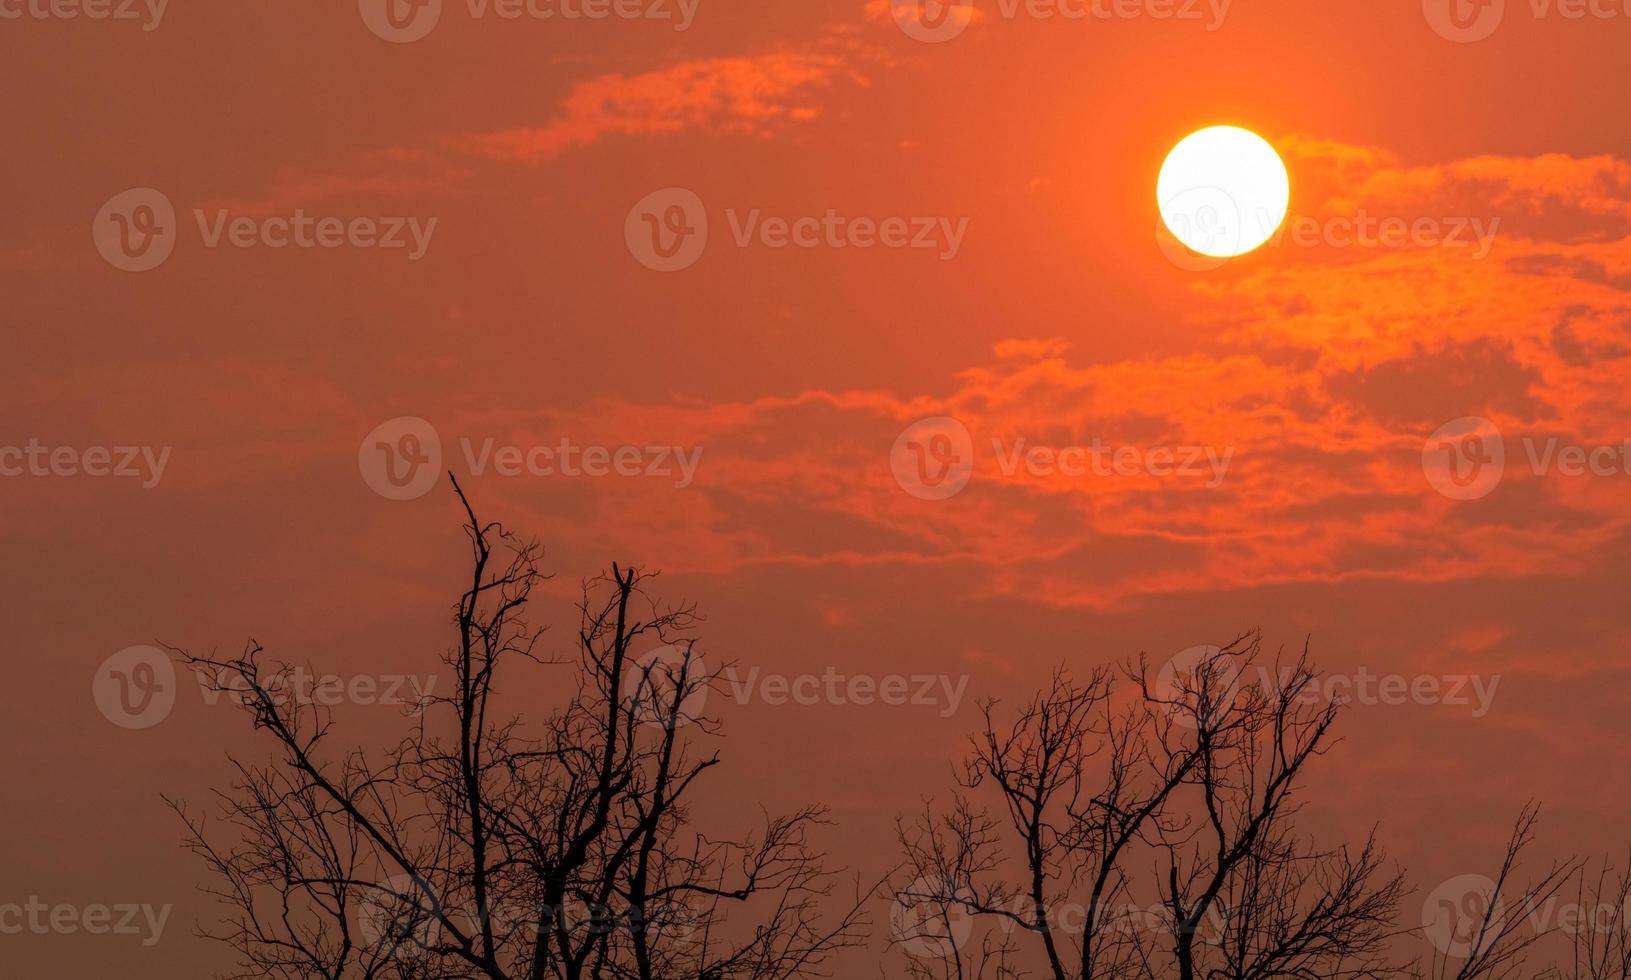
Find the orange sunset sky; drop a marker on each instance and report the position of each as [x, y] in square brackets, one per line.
[1043, 312]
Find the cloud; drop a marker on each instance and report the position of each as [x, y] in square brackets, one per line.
[751, 95]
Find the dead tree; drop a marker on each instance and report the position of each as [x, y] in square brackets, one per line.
[500, 844]
[1150, 835]
[1491, 931]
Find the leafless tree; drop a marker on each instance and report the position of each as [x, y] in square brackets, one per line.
[1601, 941]
[1489, 930]
[1177, 792]
[499, 845]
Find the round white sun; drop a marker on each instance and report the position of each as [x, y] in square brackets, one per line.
[1223, 191]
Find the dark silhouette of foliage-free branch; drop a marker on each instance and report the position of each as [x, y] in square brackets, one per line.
[504, 844]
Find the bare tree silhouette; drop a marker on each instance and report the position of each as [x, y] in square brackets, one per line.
[1192, 776]
[501, 846]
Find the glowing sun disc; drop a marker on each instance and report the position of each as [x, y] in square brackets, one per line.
[1223, 191]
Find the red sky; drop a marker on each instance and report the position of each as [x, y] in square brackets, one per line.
[1320, 369]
